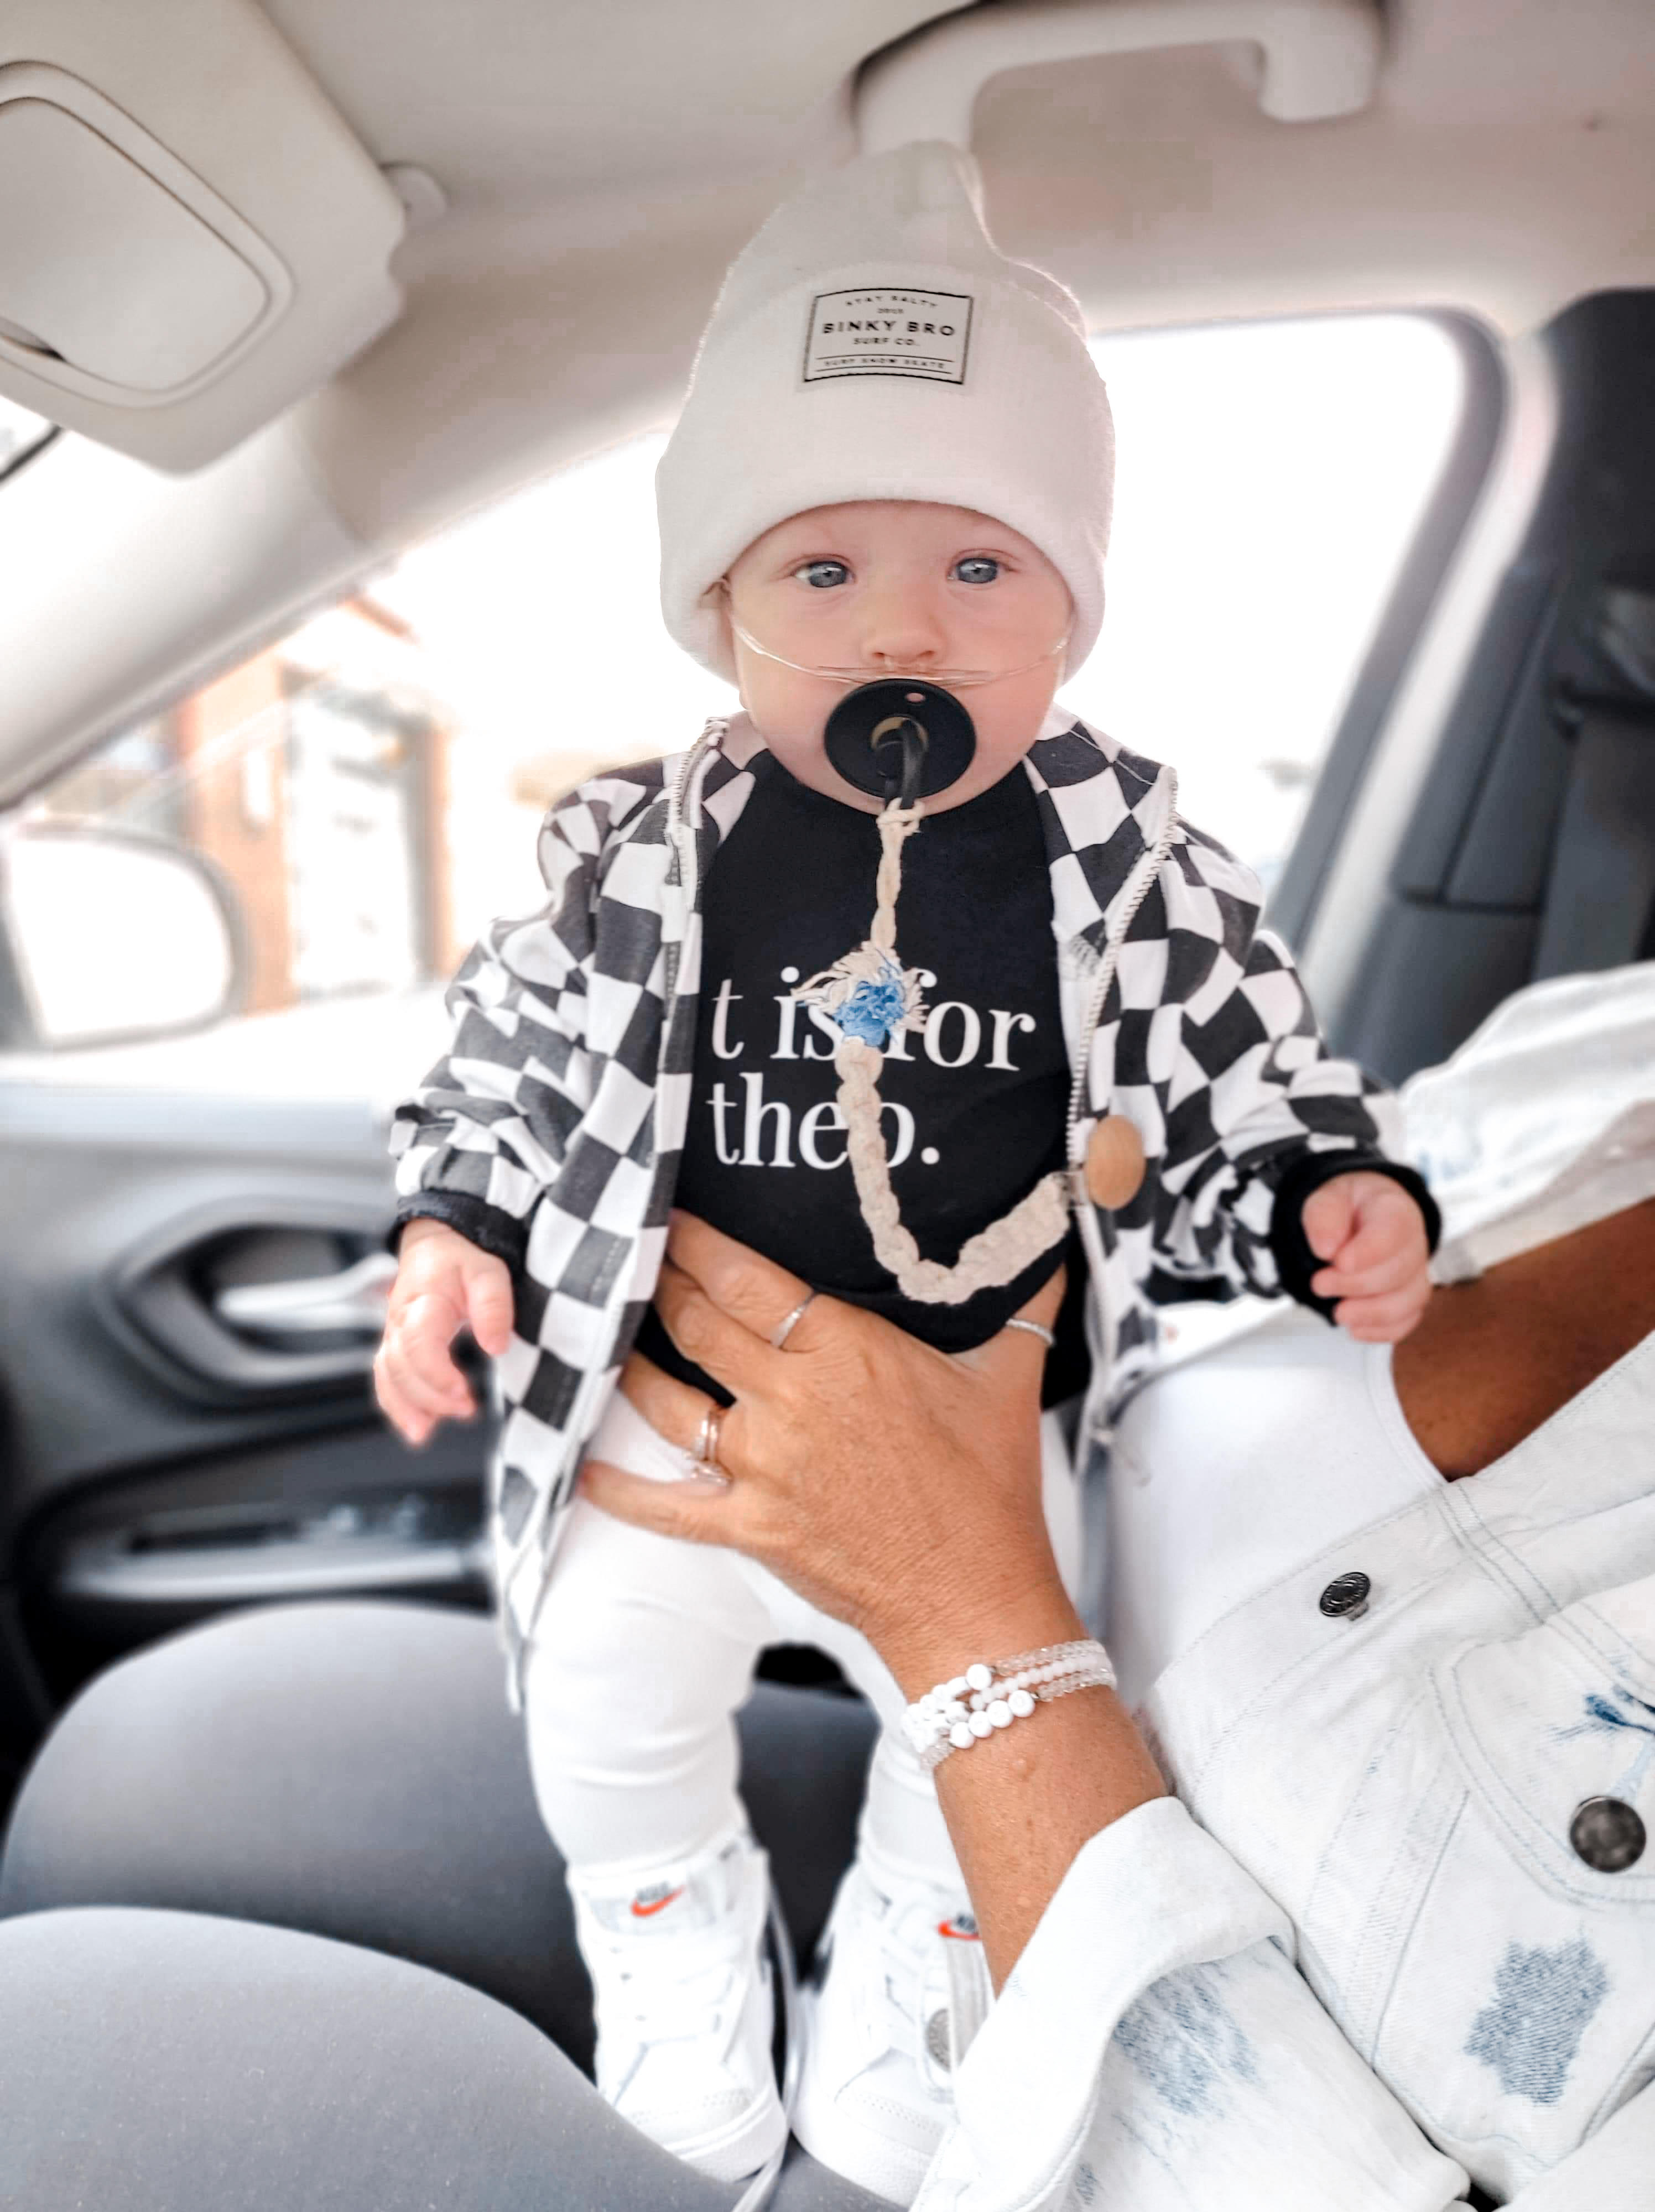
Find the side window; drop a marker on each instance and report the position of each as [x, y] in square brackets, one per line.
[313, 780]
[366, 789]
[1269, 481]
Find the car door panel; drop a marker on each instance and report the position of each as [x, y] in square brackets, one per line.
[171, 1443]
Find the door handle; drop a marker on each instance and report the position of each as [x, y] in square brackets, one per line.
[351, 1302]
[172, 1298]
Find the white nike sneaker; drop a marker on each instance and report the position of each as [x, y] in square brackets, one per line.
[682, 1991]
[900, 1989]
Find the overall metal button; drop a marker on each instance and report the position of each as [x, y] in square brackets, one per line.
[1346, 1597]
[1607, 1834]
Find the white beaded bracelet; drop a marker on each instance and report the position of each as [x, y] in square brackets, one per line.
[958, 1713]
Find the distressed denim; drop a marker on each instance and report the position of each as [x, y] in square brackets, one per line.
[1448, 1988]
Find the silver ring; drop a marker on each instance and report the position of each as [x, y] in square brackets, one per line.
[1047, 1336]
[787, 1325]
[703, 1454]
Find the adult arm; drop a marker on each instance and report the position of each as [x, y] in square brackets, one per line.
[1224, 2088]
[1221, 2086]
[900, 1489]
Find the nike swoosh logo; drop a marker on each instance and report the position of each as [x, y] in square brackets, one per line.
[642, 1911]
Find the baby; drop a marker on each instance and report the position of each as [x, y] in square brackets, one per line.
[1036, 1006]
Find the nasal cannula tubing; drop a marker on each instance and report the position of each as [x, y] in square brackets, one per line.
[953, 679]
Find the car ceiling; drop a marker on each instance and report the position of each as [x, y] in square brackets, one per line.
[601, 164]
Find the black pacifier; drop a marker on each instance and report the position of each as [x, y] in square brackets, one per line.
[900, 738]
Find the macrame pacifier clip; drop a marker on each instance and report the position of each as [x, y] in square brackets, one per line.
[869, 997]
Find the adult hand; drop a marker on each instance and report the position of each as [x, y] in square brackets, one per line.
[900, 1489]
[894, 1486]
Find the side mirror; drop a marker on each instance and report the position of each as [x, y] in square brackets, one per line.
[110, 938]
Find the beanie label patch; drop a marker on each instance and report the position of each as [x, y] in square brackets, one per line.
[879, 330]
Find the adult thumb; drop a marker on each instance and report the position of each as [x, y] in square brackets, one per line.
[1047, 1302]
[1018, 1350]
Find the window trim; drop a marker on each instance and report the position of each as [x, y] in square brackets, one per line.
[24, 454]
[1296, 899]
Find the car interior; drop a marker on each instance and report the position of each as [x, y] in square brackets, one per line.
[289, 291]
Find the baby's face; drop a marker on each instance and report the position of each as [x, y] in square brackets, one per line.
[897, 588]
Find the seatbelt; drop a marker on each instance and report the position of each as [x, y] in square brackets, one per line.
[1601, 893]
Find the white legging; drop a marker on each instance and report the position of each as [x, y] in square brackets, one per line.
[645, 1649]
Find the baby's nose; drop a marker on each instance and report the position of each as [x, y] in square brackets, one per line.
[901, 631]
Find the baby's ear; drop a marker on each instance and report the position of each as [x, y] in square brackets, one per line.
[715, 599]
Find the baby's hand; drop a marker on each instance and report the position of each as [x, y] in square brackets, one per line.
[1374, 1236]
[443, 1285]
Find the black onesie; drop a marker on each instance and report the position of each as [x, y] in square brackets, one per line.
[974, 1107]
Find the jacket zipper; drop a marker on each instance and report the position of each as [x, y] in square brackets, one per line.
[1150, 865]
[1095, 1421]
[683, 838]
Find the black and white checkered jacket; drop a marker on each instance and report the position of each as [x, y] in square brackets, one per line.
[552, 1130]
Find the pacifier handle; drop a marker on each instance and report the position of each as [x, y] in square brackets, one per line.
[898, 744]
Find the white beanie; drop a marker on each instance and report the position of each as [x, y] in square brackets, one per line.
[874, 343]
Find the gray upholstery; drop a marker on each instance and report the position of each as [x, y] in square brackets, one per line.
[1601, 893]
[166, 2062]
[352, 1770]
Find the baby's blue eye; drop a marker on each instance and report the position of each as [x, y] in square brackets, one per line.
[977, 568]
[823, 575]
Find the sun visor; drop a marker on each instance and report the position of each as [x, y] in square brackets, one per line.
[106, 276]
[193, 240]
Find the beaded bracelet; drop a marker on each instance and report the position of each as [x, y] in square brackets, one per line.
[958, 1713]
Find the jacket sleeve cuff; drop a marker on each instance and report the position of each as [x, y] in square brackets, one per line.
[1295, 1262]
[491, 1228]
[1147, 1895]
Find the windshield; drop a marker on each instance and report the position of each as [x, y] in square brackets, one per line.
[367, 788]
